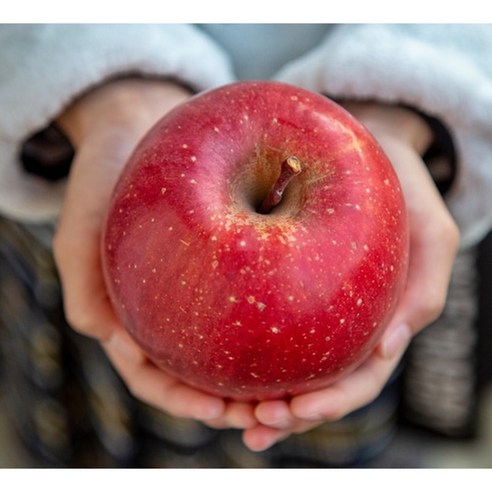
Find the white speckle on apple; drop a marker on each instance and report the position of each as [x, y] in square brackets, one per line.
[342, 321]
[193, 181]
[359, 302]
[232, 299]
[216, 130]
[251, 299]
[242, 243]
[330, 211]
[185, 146]
[260, 306]
[193, 158]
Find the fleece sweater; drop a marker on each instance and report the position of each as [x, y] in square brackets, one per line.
[444, 71]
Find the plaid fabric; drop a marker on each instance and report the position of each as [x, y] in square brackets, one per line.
[71, 409]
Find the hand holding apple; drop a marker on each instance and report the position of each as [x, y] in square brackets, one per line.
[104, 126]
[434, 240]
[256, 244]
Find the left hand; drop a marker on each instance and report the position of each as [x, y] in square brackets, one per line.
[434, 242]
[104, 126]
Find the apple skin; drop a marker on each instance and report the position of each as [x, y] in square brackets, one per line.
[245, 305]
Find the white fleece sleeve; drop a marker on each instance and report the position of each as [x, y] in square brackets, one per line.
[443, 70]
[43, 67]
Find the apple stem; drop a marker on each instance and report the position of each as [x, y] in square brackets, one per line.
[290, 167]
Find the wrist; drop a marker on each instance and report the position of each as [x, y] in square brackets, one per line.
[130, 102]
[393, 122]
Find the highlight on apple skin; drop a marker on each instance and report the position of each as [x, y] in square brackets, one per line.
[256, 244]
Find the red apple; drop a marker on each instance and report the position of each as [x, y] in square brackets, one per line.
[237, 295]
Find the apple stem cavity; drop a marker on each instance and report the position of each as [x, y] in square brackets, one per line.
[290, 167]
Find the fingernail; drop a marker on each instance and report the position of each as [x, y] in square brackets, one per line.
[396, 341]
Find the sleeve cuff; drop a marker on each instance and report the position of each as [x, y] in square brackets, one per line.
[47, 66]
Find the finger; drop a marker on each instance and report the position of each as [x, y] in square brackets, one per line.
[262, 437]
[150, 384]
[354, 391]
[434, 241]
[237, 415]
[275, 414]
[86, 303]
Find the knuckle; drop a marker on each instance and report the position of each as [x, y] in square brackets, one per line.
[434, 305]
[80, 320]
[136, 392]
